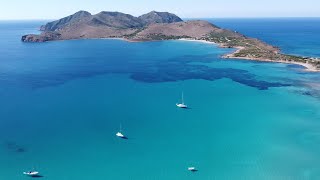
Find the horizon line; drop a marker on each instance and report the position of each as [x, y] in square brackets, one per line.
[222, 17]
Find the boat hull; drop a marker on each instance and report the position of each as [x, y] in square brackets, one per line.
[182, 106]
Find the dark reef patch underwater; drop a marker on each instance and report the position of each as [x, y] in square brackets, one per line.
[121, 58]
[13, 147]
[178, 70]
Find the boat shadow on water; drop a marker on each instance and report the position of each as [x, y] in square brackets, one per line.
[126, 138]
[36, 176]
[186, 108]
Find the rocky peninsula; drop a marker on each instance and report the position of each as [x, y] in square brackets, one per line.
[162, 26]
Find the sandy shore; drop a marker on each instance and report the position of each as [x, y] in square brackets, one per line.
[122, 39]
[194, 40]
[308, 67]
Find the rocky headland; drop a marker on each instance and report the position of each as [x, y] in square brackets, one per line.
[162, 26]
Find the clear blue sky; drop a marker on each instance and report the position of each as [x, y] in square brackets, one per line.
[43, 9]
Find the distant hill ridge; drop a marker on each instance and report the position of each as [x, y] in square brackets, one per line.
[111, 19]
[151, 26]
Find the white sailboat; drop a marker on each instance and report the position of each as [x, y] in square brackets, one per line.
[182, 104]
[31, 173]
[119, 134]
[192, 169]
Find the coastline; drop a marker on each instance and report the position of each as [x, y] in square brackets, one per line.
[173, 28]
[308, 67]
[122, 39]
[195, 40]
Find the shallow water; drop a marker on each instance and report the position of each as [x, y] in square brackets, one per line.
[62, 103]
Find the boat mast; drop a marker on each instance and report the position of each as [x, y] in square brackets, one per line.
[182, 98]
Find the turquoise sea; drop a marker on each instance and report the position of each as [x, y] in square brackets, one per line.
[62, 102]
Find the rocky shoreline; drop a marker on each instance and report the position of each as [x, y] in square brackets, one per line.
[307, 66]
[162, 26]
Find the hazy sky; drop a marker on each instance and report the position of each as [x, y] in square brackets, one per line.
[42, 9]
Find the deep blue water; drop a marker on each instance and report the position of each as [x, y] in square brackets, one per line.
[299, 36]
[62, 103]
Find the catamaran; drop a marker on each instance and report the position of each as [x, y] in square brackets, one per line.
[181, 105]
